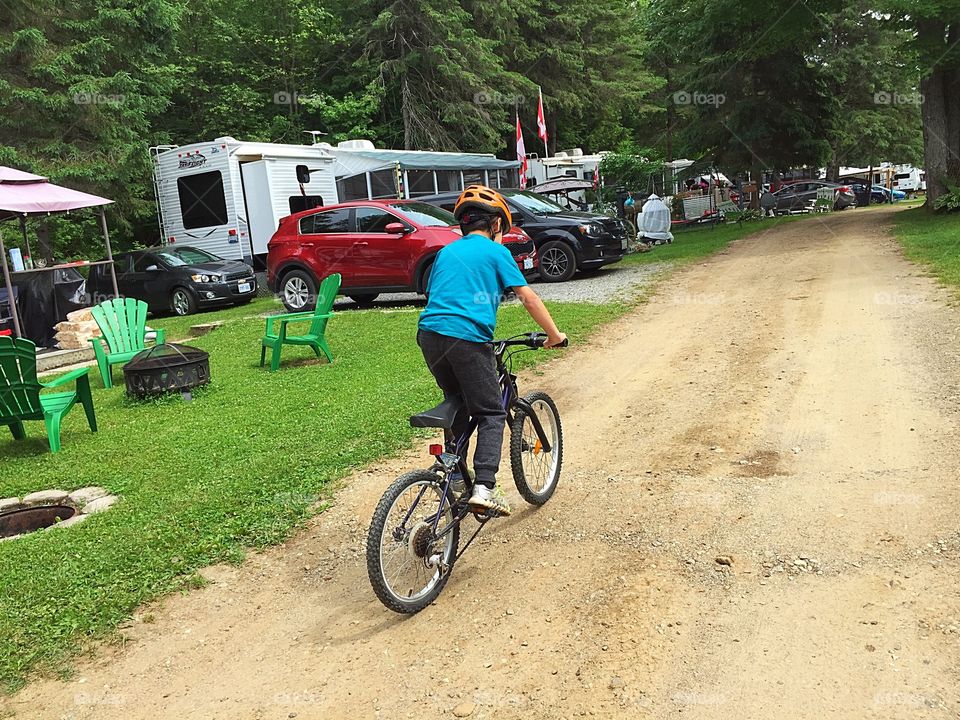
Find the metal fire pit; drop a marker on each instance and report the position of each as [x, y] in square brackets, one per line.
[166, 368]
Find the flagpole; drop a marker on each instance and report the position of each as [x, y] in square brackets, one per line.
[546, 150]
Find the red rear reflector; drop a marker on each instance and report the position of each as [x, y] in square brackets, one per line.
[171, 239]
[436, 450]
[231, 232]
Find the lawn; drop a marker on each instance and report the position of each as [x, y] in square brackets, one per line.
[932, 241]
[240, 466]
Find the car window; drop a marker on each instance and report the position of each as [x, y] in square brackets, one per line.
[328, 222]
[374, 220]
[143, 262]
[178, 257]
[425, 215]
[537, 204]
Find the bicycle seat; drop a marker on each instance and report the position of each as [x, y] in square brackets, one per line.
[442, 416]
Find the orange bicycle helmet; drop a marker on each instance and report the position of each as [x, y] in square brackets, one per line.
[479, 201]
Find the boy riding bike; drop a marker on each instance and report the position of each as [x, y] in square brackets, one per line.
[467, 283]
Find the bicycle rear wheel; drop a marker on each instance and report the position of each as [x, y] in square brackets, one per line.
[407, 564]
[536, 471]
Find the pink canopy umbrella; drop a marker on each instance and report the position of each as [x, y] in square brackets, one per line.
[23, 195]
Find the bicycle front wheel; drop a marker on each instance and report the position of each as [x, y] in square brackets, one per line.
[536, 471]
[408, 564]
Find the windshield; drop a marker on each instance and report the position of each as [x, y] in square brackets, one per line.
[185, 256]
[425, 215]
[537, 204]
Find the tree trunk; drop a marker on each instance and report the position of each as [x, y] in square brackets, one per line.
[936, 150]
[756, 177]
[406, 111]
[671, 115]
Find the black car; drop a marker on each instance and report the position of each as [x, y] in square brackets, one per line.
[177, 279]
[566, 240]
[798, 195]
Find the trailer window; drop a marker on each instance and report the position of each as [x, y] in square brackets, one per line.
[326, 223]
[383, 184]
[474, 177]
[202, 200]
[420, 183]
[448, 180]
[352, 188]
[304, 202]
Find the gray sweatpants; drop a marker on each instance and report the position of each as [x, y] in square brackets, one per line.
[468, 370]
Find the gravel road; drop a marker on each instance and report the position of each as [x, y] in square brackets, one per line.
[757, 519]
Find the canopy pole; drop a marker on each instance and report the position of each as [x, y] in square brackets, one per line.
[106, 238]
[10, 297]
[26, 239]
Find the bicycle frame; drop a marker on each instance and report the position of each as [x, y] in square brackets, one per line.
[510, 400]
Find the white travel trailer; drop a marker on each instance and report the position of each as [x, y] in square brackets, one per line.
[228, 196]
[564, 164]
[909, 178]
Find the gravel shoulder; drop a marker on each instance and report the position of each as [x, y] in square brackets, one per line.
[757, 519]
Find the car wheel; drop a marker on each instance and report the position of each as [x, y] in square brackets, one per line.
[364, 299]
[298, 291]
[557, 262]
[425, 278]
[183, 302]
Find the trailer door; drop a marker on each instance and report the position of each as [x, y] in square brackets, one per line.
[261, 222]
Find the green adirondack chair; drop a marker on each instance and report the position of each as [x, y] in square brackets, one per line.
[122, 323]
[314, 338]
[21, 399]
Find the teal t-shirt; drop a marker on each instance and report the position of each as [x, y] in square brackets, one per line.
[466, 284]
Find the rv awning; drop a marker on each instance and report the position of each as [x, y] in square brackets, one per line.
[422, 160]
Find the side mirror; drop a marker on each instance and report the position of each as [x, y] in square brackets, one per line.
[152, 268]
[396, 228]
[303, 174]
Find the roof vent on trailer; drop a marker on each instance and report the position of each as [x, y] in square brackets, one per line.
[226, 139]
[576, 152]
[356, 145]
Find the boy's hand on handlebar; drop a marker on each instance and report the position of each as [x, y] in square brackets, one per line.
[558, 340]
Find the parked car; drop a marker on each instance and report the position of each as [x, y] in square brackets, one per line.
[180, 279]
[878, 193]
[798, 195]
[377, 246]
[566, 240]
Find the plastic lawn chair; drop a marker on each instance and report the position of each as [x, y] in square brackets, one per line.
[277, 336]
[122, 323]
[21, 399]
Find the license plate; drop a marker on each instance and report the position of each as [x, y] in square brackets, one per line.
[243, 287]
[528, 263]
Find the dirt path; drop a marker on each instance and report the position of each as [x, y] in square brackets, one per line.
[791, 403]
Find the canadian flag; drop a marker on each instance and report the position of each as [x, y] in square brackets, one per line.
[541, 119]
[521, 155]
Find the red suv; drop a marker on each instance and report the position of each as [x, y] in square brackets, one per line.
[376, 245]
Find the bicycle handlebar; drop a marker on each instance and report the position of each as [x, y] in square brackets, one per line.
[532, 340]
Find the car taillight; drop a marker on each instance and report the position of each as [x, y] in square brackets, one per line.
[843, 189]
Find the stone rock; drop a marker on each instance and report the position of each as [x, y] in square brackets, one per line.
[69, 522]
[45, 497]
[724, 560]
[87, 495]
[616, 682]
[7, 504]
[464, 710]
[99, 505]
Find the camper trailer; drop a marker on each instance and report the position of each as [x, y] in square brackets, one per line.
[909, 178]
[227, 196]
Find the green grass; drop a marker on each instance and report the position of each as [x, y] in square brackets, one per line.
[692, 245]
[932, 241]
[239, 466]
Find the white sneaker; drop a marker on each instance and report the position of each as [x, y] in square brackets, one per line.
[490, 500]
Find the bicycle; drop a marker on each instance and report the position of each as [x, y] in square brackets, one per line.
[413, 541]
